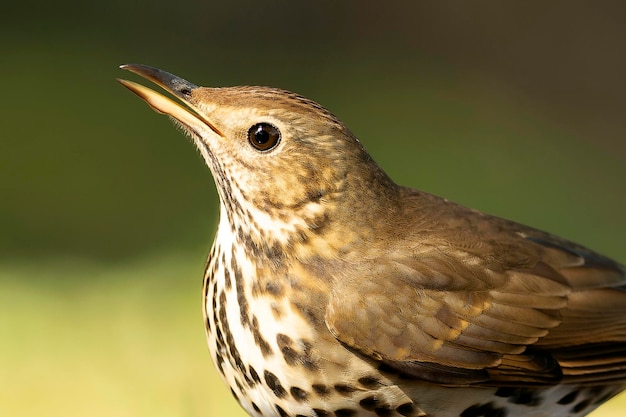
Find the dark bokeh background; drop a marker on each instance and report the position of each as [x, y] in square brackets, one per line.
[515, 108]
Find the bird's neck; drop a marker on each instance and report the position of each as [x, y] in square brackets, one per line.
[323, 227]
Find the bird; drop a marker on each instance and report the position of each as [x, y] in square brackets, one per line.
[330, 290]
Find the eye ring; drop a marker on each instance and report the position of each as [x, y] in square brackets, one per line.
[263, 136]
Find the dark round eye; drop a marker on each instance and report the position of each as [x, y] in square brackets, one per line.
[263, 136]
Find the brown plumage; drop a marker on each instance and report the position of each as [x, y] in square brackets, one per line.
[489, 299]
[330, 289]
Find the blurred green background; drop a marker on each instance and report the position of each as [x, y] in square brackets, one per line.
[107, 213]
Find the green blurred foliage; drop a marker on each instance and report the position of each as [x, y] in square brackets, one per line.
[86, 171]
[122, 341]
[107, 212]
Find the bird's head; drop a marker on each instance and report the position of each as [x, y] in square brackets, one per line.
[282, 163]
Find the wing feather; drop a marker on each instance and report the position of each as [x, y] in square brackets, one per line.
[518, 305]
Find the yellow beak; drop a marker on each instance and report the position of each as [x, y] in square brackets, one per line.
[186, 114]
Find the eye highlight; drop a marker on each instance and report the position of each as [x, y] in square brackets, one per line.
[263, 136]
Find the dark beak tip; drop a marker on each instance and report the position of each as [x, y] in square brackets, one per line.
[143, 70]
[129, 67]
[171, 82]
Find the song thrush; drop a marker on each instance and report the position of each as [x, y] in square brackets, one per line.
[332, 291]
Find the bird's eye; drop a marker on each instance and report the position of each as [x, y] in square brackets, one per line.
[263, 136]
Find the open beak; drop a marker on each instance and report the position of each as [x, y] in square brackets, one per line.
[186, 113]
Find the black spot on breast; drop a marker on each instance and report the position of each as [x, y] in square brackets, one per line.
[308, 313]
[213, 311]
[236, 361]
[298, 394]
[292, 356]
[484, 410]
[383, 412]
[226, 341]
[581, 406]
[206, 286]
[283, 340]
[249, 381]
[569, 398]
[266, 250]
[220, 364]
[344, 389]
[254, 375]
[321, 389]
[227, 282]
[408, 410]
[210, 262]
[219, 337]
[321, 413]
[238, 383]
[265, 347]
[281, 412]
[252, 249]
[369, 403]
[274, 384]
[241, 296]
[370, 382]
[273, 252]
[232, 391]
[345, 412]
[523, 396]
[274, 288]
[285, 344]
[222, 309]
[222, 259]
[315, 195]
[505, 392]
[256, 408]
[214, 301]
